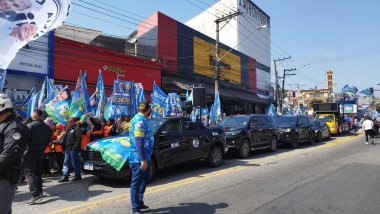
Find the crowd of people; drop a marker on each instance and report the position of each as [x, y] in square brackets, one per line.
[38, 146]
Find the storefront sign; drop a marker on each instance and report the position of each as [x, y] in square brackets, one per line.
[250, 9]
[114, 69]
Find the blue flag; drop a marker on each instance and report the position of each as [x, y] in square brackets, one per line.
[3, 74]
[24, 106]
[98, 100]
[158, 100]
[272, 110]
[80, 99]
[212, 115]
[366, 92]
[42, 96]
[109, 111]
[139, 97]
[49, 86]
[59, 107]
[350, 89]
[217, 108]
[173, 104]
[32, 104]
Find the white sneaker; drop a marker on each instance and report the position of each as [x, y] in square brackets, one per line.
[366, 143]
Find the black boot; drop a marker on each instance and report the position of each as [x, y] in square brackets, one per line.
[63, 179]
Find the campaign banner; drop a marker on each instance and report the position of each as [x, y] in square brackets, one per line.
[22, 21]
[173, 104]
[158, 102]
[139, 97]
[114, 150]
[59, 107]
[122, 93]
[98, 100]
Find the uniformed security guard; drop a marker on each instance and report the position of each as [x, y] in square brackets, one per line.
[142, 141]
[13, 140]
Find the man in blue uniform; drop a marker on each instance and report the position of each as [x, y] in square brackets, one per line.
[141, 139]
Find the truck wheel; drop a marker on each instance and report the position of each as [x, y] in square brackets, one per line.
[273, 144]
[215, 157]
[245, 149]
[295, 143]
[319, 137]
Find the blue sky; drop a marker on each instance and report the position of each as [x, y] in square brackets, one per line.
[318, 34]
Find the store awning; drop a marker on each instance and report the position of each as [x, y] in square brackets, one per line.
[230, 93]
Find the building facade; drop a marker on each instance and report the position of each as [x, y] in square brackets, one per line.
[188, 58]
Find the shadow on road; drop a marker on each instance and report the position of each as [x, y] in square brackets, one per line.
[191, 208]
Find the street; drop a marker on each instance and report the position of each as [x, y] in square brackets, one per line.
[340, 175]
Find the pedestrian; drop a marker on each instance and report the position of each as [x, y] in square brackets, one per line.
[96, 131]
[72, 149]
[58, 147]
[13, 140]
[368, 129]
[356, 124]
[110, 128]
[40, 136]
[142, 142]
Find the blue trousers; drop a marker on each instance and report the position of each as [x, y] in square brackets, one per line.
[139, 181]
[72, 160]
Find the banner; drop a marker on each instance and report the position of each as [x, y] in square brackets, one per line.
[43, 95]
[122, 93]
[80, 99]
[272, 110]
[59, 107]
[158, 100]
[22, 21]
[114, 150]
[139, 97]
[173, 105]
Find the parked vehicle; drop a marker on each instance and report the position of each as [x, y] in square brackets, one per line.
[332, 115]
[248, 132]
[177, 140]
[321, 131]
[295, 129]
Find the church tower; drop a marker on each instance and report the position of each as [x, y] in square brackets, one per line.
[330, 81]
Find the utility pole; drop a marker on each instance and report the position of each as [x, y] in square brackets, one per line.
[217, 59]
[283, 85]
[277, 89]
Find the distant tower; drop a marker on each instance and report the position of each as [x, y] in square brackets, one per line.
[330, 81]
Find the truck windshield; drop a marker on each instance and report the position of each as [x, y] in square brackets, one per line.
[324, 118]
[234, 121]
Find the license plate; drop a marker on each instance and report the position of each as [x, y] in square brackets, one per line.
[88, 166]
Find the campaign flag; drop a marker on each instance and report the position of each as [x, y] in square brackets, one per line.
[173, 104]
[59, 107]
[33, 104]
[158, 100]
[122, 93]
[350, 89]
[204, 116]
[98, 100]
[42, 95]
[139, 96]
[109, 110]
[272, 110]
[114, 150]
[194, 114]
[49, 86]
[366, 92]
[80, 99]
[217, 108]
[3, 74]
[212, 115]
[24, 106]
[27, 20]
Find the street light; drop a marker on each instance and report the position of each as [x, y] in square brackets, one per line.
[218, 59]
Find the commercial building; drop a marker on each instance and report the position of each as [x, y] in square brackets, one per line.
[30, 67]
[188, 58]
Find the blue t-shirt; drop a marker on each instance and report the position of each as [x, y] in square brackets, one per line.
[139, 128]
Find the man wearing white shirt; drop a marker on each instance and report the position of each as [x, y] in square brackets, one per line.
[368, 129]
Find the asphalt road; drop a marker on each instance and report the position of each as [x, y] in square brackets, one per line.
[341, 175]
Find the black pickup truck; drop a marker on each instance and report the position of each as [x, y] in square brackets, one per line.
[176, 140]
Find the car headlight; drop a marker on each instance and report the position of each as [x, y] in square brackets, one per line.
[233, 133]
[288, 130]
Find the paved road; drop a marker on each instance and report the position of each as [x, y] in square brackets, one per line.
[341, 175]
